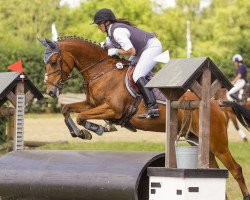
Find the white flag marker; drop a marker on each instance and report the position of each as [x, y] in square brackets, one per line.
[54, 32]
[163, 57]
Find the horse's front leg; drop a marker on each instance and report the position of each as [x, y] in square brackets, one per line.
[103, 111]
[74, 130]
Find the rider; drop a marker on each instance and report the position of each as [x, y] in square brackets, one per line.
[241, 76]
[126, 39]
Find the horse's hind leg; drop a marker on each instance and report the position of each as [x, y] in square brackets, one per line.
[241, 133]
[235, 169]
[212, 161]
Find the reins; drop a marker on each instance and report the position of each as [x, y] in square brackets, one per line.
[63, 80]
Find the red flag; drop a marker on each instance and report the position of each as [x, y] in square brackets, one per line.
[16, 67]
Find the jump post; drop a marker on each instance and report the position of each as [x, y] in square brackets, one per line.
[18, 90]
[202, 77]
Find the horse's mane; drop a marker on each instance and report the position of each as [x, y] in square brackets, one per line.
[82, 39]
[62, 38]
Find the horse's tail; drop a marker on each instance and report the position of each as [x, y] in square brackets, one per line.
[242, 113]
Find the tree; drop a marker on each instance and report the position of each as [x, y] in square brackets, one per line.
[24, 20]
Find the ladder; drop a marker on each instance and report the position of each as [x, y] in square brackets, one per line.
[19, 126]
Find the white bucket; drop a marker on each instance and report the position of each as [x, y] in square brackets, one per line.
[187, 156]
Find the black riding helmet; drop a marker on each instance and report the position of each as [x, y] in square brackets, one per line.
[103, 15]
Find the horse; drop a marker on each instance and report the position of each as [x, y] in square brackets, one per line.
[221, 94]
[107, 98]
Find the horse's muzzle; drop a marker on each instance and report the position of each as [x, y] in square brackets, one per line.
[54, 93]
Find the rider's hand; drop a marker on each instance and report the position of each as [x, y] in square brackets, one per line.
[113, 51]
[103, 45]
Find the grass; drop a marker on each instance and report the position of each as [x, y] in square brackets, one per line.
[239, 150]
[113, 146]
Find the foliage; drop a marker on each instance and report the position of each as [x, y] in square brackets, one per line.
[219, 31]
[45, 105]
[3, 136]
[3, 121]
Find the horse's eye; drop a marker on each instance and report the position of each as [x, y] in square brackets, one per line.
[53, 64]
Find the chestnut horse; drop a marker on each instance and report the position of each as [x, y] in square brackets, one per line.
[221, 94]
[107, 98]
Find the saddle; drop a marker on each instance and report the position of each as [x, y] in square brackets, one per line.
[134, 90]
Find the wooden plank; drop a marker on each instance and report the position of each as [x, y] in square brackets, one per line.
[185, 105]
[196, 88]
[12, 98]
[171, 135]
[20, 88]
[7, 111]
[28, 97]
[204, 121]
[10, 132]
[171, 130]
[216, 85]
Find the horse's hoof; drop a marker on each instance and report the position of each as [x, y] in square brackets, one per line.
[109, 127]
[85, 135]
[247, 197]
[245, 139]
[73, 134]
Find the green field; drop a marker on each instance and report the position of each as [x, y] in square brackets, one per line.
[239, 150]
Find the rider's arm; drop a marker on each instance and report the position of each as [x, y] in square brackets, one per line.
[128, 52]
[122, 35]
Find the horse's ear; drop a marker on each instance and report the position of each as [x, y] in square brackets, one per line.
[42, 41]
[50, 43]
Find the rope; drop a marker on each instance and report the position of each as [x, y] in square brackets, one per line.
[187, 114]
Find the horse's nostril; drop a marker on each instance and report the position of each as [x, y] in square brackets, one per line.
[51, 94]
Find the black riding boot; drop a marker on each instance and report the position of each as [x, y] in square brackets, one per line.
[234, 96]
[149, 100]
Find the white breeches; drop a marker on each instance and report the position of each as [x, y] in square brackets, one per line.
[237, 86]
[145, 62]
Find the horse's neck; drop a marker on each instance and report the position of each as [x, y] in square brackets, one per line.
[85, 54]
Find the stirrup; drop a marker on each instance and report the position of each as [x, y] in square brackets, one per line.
[150, 114]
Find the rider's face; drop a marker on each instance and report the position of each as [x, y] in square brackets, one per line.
[101, 27]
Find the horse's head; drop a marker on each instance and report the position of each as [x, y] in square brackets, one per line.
[59, 64]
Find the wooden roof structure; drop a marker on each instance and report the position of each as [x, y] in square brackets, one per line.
[180, 73]
[9, 81]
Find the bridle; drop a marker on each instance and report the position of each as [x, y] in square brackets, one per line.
[63, 80]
